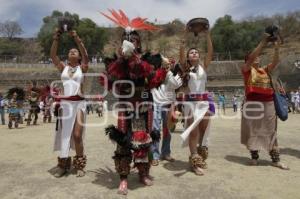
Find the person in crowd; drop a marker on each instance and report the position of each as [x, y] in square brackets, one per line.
[163, 102]
[71, 124]
[196, 103]
[138, 75]
[259, 120]
[2, 109]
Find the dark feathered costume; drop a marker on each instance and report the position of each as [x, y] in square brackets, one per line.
[118, 136]
[20, 93]
[124, 139]
[144, 72]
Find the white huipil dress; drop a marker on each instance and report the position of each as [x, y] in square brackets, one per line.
[72, 87]
[196, 109]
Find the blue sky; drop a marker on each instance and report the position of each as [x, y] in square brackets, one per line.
[29, 13]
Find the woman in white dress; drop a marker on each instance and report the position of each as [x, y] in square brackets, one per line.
[196, 104]
[70, 128]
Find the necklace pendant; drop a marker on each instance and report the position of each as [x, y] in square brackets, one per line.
[73, 70]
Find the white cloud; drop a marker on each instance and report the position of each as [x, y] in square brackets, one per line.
[152, 9]
[163, 10]
[7, 12]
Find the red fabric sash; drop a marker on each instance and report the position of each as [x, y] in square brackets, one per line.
[70, 98]
[193, 97]
[259, 90]
[141, 137]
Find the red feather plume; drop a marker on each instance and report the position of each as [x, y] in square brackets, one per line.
[122, 20]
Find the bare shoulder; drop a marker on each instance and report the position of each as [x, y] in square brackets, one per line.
[60, 66]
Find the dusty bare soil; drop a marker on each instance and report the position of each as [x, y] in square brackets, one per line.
[26, 162]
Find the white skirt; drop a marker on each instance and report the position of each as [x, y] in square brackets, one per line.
[63, 136]
[197, 111]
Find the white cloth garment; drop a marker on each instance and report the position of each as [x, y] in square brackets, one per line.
[72, 84]
[63, 136]
[165, 93]
[197, 109]
[41, 105]
[105, 107]
[293, 97]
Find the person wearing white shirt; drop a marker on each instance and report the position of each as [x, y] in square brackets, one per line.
[234, 103]
[297, 101]
[293, 100]
[163, 97]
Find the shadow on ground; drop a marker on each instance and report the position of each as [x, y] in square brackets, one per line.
[291, 152]
[53, 170]
[177, 165]
[108, 178]
[245, 161]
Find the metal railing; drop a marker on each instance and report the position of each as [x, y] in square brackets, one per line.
[32, 59]
[94, 59]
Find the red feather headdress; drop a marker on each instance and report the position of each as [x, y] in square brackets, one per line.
[123, 21]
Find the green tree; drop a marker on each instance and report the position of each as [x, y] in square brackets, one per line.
[234, 39]
[10, 48]
[93, 36]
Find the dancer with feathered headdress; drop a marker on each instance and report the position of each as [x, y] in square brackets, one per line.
[139, 74]
[33, 99]
[47, 101]
[16, 98]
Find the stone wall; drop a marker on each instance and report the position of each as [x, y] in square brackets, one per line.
[223, 76]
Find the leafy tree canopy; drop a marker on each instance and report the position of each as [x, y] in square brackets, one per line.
[92, 36]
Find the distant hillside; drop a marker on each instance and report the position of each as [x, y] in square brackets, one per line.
[231, 39]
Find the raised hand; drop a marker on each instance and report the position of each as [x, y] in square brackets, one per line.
[56, 34]
[206, 31]
[265, 37]
[73, 33]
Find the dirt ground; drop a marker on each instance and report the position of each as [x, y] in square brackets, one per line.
[26, 162]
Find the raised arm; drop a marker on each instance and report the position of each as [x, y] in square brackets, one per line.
[83, 51]
[209, 55]
[182, 55]
[275, 60]
[53, 52]
[255, 53]
[172, 82]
